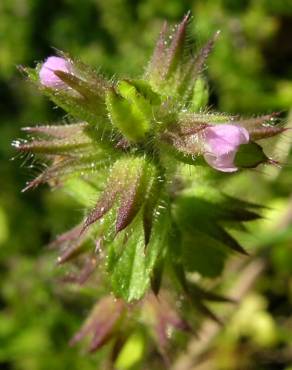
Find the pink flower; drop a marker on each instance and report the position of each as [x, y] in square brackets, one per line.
[221, 144]
[47, 75]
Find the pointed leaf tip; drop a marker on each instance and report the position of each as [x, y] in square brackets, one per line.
[194, 68]
[264, 132]
[177, 46]
[102, 207]
[101, 322]
[129, 206]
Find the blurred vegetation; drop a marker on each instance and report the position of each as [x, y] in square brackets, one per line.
[250, 72]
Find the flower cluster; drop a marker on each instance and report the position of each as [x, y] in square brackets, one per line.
[125, 147]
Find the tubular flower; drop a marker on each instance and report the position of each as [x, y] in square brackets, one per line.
[47, 74]
[221, 144]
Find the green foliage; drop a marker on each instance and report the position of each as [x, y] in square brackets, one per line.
[136, 126]
[249, 155]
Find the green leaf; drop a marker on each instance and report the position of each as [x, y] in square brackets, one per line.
[130, 116]
[200, 95]
[196, 215]
[202, 254]
[129, 277]
[78, 107]
[81, 190]
[131, 263]
[144, 89]
[249, 155]
[138, 188]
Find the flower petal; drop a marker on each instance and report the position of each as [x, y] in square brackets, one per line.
[221, 145]
[47, 76]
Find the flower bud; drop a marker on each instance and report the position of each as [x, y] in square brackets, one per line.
[47, 75]
[221, 144]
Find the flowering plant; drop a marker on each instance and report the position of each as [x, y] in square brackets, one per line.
[128, 148]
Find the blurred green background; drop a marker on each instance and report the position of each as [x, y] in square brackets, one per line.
[250, 72]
